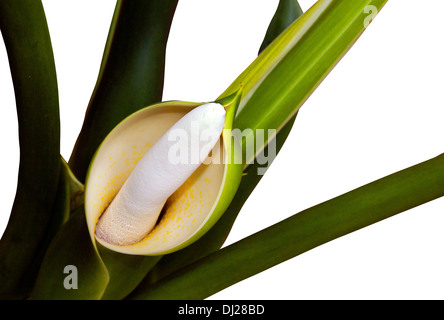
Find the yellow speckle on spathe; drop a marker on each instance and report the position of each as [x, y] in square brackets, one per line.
[123, 153]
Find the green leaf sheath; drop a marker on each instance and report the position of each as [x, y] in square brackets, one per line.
[304, 231]
[62, 205]
[26, 36]
[285, 74]
[214, 238]
[125, 272]
[57, 275]
[75, 187]
[286, 13]
[105, 273]
[131, 74]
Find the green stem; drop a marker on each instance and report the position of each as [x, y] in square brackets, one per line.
[131, 75]
[286, 73]
[25, 32]
[306, 230]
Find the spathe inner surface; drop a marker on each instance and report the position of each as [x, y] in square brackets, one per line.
[185, 210]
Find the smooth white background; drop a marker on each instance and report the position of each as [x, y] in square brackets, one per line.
[379, 111]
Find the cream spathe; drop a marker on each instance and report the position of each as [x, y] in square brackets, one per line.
[135, 210]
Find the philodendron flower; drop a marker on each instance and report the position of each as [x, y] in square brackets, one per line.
[151, 188]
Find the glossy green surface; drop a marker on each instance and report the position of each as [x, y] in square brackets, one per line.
[26, 36]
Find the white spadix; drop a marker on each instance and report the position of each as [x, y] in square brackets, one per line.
[135, 210]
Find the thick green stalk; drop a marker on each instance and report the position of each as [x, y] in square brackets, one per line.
[306, 230]
[25, 32]
[131, 74]
[285, 74]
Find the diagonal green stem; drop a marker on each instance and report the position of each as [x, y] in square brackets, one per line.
[286, 73]
[306, 230]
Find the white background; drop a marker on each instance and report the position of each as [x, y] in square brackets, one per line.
[379, 111]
